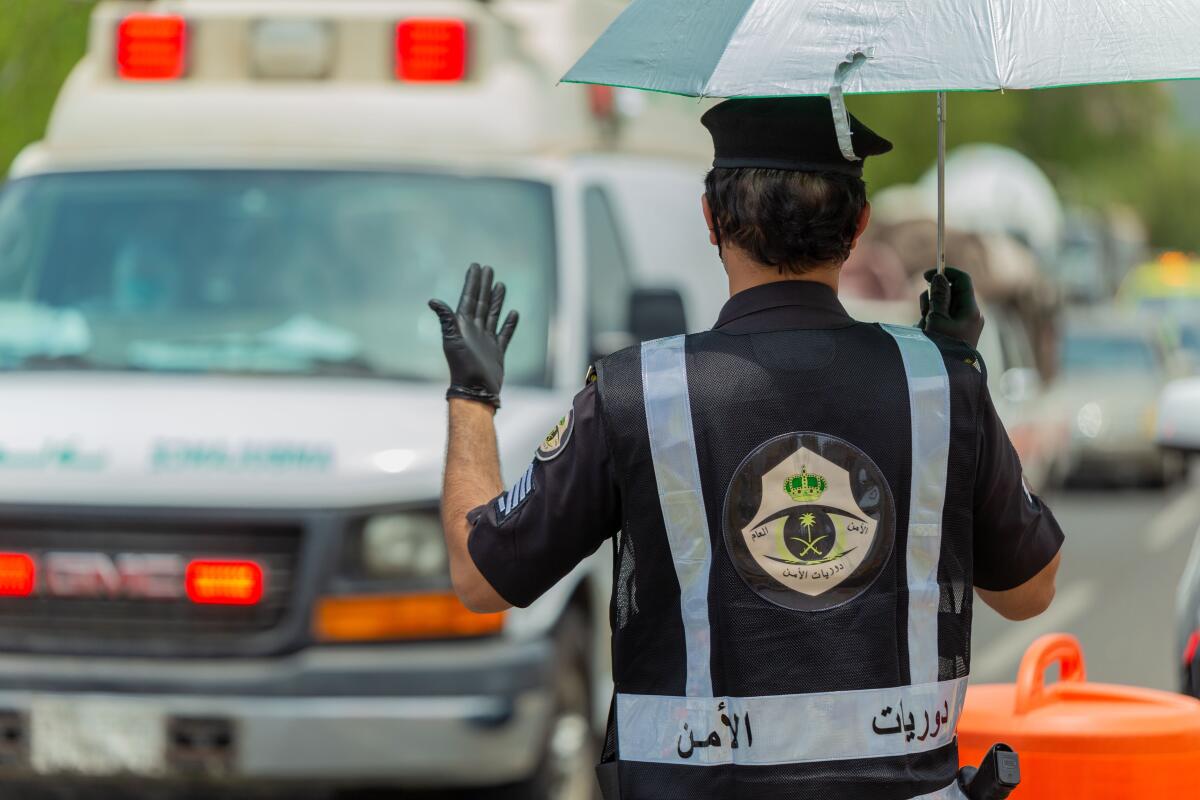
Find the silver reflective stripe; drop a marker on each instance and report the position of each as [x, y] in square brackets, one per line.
[929, 401]
[788, 729]
[951, 792]
[673, 447]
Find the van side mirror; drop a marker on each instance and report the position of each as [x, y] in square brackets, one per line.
[656, 313]
[653, 314]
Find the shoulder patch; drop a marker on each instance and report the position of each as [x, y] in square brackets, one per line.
[511, 500]
[556, 440]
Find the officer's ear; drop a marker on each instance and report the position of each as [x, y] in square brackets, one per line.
[708, 218]
[864, 219]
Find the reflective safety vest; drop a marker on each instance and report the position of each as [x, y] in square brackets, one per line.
[791, 617]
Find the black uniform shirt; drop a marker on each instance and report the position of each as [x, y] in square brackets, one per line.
[568, 501]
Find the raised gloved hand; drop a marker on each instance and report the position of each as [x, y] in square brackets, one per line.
[949, 308]
[473, 346]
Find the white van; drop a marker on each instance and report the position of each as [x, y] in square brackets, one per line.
[222, 390]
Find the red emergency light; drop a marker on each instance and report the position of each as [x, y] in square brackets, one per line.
[228, 583]
[431, 50]
[151, 47]
[17, 575]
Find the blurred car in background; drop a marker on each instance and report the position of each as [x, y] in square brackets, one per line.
[1037, 431]
[1022, 398]
[1187, 623]
[1179, 432]
[1180, 319]
[1179, 415]
[1189, 341]
[1099, 248]
[1173, 276]
[220, 552]
[1168, 291]
[1113, 370]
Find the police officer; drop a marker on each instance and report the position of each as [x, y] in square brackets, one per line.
[804, 501]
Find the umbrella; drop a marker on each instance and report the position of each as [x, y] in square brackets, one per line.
[774, 48]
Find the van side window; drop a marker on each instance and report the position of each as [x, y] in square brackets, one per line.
[609, 280]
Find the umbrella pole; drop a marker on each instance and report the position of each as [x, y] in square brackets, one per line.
[941, 183]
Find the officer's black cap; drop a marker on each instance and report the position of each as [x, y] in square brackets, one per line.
[788, 133]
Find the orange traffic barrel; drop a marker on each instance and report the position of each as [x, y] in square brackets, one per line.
[1080, 739]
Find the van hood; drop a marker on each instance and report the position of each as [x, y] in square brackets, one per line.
[206, 441]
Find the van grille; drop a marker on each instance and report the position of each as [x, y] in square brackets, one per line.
[130, 620]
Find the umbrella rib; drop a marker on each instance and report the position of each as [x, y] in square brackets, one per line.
[1112, 31]
[1001, 79]
[717, 64]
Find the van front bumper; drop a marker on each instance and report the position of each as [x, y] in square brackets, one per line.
[454, 714]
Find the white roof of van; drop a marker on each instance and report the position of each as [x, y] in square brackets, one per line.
[350, 105]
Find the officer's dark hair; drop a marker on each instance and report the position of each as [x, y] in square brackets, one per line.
[793, 221]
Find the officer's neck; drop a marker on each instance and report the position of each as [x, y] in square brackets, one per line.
[746, 273]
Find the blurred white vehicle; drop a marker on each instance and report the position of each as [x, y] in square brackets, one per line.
[1113, 370]
[1035, 424]
[1181, 318]
[997, 190]
[1037, 432]
[1179, 415]
[220, 452]
[1179, 432]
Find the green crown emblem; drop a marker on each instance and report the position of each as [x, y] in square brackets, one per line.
[805, 488]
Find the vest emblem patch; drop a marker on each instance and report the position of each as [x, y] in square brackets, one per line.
[809, 521]
[552, 446]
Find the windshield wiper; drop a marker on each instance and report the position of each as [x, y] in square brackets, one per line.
[67, 363]
[356, 367]
[331, 368]
[317, 367]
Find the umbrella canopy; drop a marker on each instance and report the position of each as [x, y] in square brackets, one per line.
[754, 48]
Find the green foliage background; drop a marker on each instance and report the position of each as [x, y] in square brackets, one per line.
[1101, 145]
[40, 40]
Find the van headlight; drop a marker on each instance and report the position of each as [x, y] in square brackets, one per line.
[1090, 420]
[403, 545]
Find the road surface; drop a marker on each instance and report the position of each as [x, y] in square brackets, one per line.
[1124, 555]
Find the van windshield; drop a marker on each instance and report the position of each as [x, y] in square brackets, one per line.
[290, 272]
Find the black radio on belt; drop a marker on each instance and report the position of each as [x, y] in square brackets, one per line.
[995, 778]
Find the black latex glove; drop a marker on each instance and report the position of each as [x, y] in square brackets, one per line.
[474, 348]
[949, 306]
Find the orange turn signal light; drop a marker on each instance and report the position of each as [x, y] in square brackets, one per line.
[361, 618]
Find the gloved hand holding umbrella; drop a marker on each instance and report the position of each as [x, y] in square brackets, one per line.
[949, 306]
